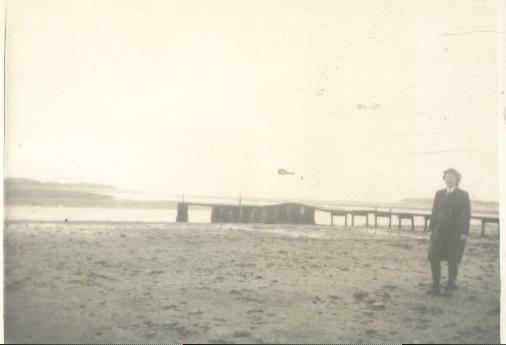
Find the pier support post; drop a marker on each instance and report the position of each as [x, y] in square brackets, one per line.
[182, 213]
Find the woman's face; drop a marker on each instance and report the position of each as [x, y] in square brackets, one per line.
[450, 180]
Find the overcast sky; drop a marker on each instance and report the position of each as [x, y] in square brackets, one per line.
[362, 100]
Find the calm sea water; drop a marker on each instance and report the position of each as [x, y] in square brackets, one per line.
[47, 213]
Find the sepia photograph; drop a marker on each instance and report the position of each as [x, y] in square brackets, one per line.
[218, 171]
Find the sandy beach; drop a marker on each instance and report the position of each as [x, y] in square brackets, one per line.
[231, 283]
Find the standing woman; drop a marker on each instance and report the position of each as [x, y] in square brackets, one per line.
[449, 226]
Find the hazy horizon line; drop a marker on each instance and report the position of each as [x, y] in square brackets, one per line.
[237, 196]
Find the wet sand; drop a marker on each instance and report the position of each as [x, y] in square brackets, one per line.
[239, 283]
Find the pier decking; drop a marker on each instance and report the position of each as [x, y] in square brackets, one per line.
[296, 213]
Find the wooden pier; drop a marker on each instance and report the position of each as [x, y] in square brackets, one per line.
[485, 220]
[382, 214]
[338, 213]
[408, 216]
[359, 213]
[287, 213]
[296, 213]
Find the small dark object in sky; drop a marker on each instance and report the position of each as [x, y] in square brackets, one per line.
[285, 172]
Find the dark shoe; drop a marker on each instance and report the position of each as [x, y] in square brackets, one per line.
[449, 292]
[435, 291]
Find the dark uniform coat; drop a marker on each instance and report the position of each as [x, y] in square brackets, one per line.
[451, 214]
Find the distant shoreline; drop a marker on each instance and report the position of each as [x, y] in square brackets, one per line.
[32, 193]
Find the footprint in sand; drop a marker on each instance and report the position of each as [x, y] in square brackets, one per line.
[168, 307]
[384, 296]
[219, 341]
[252, 311]
[242, 334]
[371, 332]
[149, 336]
[317, 299]
[360, 295]
[480, 329]
[250, 299]
[465, 333]
[102, 263]
[155, 272]
[169, 326]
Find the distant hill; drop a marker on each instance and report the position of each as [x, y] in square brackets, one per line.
[24, 183]
[27, 192]
[21, 191]
[477, 206]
